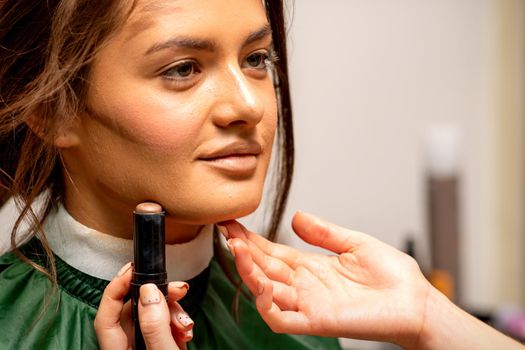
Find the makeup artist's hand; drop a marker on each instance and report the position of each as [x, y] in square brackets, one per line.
[367, 290]
[163, 326]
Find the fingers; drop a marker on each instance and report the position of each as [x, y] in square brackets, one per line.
[274, 268]
[285, 296]
[324, 234]
[113, 316]
[177, 290]
[180, 318]
[264, 296]
[290, 322]
[154, 319]
[247, 270]
[107, 321]
[257, 260]
[286, 254]
[126, 321]
[251, 274]
[279, 321]
[181, 338]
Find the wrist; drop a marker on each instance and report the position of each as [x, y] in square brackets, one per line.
[438, 311]
[446, 326]
[420, 323]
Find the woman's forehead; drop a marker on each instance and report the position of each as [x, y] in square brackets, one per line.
[156, 5]
[148, 10]
[194, 16]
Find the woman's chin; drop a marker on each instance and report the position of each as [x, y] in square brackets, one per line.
[211, 213]
[234, 213]
[234, 216]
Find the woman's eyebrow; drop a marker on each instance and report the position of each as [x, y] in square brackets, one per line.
[183, 42]
[263, 32]
[204, 44]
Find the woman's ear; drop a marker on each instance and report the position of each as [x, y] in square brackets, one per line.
[64, 136]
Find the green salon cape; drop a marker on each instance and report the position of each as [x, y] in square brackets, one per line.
[33, 317]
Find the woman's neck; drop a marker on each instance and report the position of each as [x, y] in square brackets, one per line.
[117, 220]
[102, 255]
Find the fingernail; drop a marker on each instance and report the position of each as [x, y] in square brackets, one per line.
[184, 319]
[230, 245]
[260, 285]
[124, 269]
[223, 230]
[179, 284]
[149, 294]
[188, 335]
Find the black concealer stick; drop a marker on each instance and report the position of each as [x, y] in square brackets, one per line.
[149, 257]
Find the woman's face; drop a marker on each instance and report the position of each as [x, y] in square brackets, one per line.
[181, 111]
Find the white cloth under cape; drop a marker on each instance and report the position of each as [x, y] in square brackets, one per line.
[102, 255]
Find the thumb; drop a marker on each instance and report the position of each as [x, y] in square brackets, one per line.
[154, 319]
[324, 234]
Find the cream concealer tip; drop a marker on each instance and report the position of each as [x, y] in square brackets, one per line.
[148, 208]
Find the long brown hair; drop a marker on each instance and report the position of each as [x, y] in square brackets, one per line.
[46, 48]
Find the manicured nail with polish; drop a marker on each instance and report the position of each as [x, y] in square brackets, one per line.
[179, 284]
[124, 269]
[223, 230]
[260, 285]
[230, 246]
[188, 335]
[184, 319]
[149, 294]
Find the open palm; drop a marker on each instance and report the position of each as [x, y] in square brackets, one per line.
[367, 290]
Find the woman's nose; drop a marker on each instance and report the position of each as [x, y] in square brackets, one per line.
[238, 101]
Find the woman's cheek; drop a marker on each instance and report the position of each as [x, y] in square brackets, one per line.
[161, 130]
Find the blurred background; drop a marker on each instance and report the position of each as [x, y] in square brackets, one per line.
[410, 126]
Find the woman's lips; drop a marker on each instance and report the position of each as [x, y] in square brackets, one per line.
[237, 164]
[236, 158]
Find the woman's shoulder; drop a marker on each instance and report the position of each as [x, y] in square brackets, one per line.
[35, 313]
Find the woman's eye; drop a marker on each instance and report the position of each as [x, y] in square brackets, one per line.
[257, 60]
[182, 70]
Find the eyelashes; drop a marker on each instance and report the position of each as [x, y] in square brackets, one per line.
[272, 59]
[261, 59]
[185, 73]
[182, 75]
[182, 70]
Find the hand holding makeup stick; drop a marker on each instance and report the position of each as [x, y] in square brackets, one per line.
[163, 326]
[367, 290]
